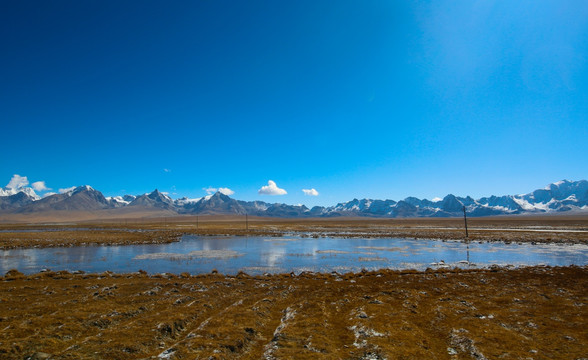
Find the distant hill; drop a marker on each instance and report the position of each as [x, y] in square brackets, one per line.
[154, 199]
[82, 198]
[215, 204]
[15, 201]
[562, 196]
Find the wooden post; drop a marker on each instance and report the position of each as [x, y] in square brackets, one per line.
[465, 220]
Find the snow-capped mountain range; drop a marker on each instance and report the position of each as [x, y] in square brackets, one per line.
[562, 196]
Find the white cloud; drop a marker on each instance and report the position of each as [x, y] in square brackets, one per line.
[48, 194]
[271, 189]
[310, 192]
[226, 191]
[167, 170]
[61, 191]
[436, 199]
[222, 190]
[40, 186]
[17, 182]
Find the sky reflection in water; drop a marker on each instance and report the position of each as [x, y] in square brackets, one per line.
[256, 255]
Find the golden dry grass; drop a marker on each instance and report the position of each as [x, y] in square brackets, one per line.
[167, 229]
[539, 313]
[19, 239]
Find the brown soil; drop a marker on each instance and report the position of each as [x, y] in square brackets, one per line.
[528, 313]
[563, 229]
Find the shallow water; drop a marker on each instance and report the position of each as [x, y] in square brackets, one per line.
[257, 255]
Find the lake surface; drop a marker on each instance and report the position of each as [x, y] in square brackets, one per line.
[258, 255]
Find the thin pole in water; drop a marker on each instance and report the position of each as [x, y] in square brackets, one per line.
[465, 220]
[246, 222]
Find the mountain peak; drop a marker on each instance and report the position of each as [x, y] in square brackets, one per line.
[83, 188]
[564, 195]
[220, 195]
[13, 191]
[559, 184]
[217, 197]
[153, 199]
[217, 203]
[158, 195]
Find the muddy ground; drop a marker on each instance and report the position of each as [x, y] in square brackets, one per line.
[528, 313]
[539, 229]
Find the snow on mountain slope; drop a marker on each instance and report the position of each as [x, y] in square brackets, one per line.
[155, 199]
[117, 201]
[81, 198]
[13, 191]
[185, 200]
[561, 196]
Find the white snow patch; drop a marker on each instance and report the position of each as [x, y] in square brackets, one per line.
[186, 200]
[526, 205]
[27, 190]
[260, 206]
[523, 203]
[561, 182]
[67, 190]
[118, 199]
[500, 208]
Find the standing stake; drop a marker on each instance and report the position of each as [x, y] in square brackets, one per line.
[465, 220]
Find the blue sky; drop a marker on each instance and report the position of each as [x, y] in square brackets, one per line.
[382, 99]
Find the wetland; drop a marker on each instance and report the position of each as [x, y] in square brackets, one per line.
[331, 289]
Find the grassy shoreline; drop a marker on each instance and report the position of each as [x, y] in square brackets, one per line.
[528, 230]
